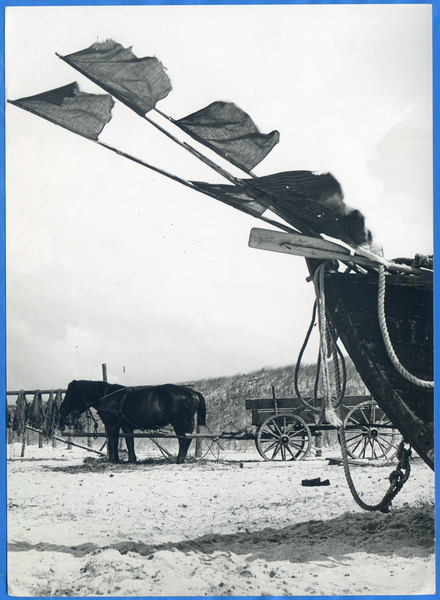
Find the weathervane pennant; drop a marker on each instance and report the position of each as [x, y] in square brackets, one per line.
[231, 133]
[82, 113]
[137, 82]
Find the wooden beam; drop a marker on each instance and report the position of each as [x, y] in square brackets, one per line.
[25, 392]
[55, 437]
[193, 436]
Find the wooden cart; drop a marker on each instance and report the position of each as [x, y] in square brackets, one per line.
[285, 428]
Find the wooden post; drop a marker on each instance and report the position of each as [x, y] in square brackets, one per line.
[89, 439]
[104, 378]
[275, 403]
[198, 452]
[318, 444]
[23, 443]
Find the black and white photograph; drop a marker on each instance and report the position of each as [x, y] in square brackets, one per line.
[219, 300]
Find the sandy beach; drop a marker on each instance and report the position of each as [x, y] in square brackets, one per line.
[230, 525]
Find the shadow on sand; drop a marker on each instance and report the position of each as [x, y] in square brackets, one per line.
[406, 532]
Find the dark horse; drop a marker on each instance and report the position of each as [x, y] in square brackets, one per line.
[128, 408]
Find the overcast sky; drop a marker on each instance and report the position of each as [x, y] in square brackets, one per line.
[108, 262]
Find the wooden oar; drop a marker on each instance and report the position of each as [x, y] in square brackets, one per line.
[310, 247]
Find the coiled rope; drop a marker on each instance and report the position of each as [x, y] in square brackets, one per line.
[386, 336]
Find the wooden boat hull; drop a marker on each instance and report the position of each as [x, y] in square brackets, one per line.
[351, 302]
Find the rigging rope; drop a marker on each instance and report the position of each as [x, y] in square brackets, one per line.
[339, 369]
[325, 353]
[298, 362]
[386, 337]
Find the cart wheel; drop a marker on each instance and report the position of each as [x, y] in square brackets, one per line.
[283, 436]
[369, 432]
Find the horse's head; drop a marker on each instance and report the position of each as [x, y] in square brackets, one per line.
[74, 402]
[80, 396]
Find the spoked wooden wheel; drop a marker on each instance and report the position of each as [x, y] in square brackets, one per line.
[369, 433]
[284, 436]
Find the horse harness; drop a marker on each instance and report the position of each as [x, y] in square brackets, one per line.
[118, 412]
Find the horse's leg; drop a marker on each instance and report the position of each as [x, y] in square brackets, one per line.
[129, 440]
[113, 441]
[184, 445]
[180, 429]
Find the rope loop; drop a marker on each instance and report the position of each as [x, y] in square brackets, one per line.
[386, 337]
[397, 478]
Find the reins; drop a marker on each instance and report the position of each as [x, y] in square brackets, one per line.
[96, 425]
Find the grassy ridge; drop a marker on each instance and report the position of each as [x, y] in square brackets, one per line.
[225, 399]
[225, 396]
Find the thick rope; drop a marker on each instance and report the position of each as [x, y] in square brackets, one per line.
[298, 363]
[341, 383]
[319, 411]
[397, 478]
[386, 337]
[401, 474]
[331, 348]
[318, 281]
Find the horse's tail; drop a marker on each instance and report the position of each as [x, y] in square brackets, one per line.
[201, 411]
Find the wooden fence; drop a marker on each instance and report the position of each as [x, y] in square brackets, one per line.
[26, 429]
